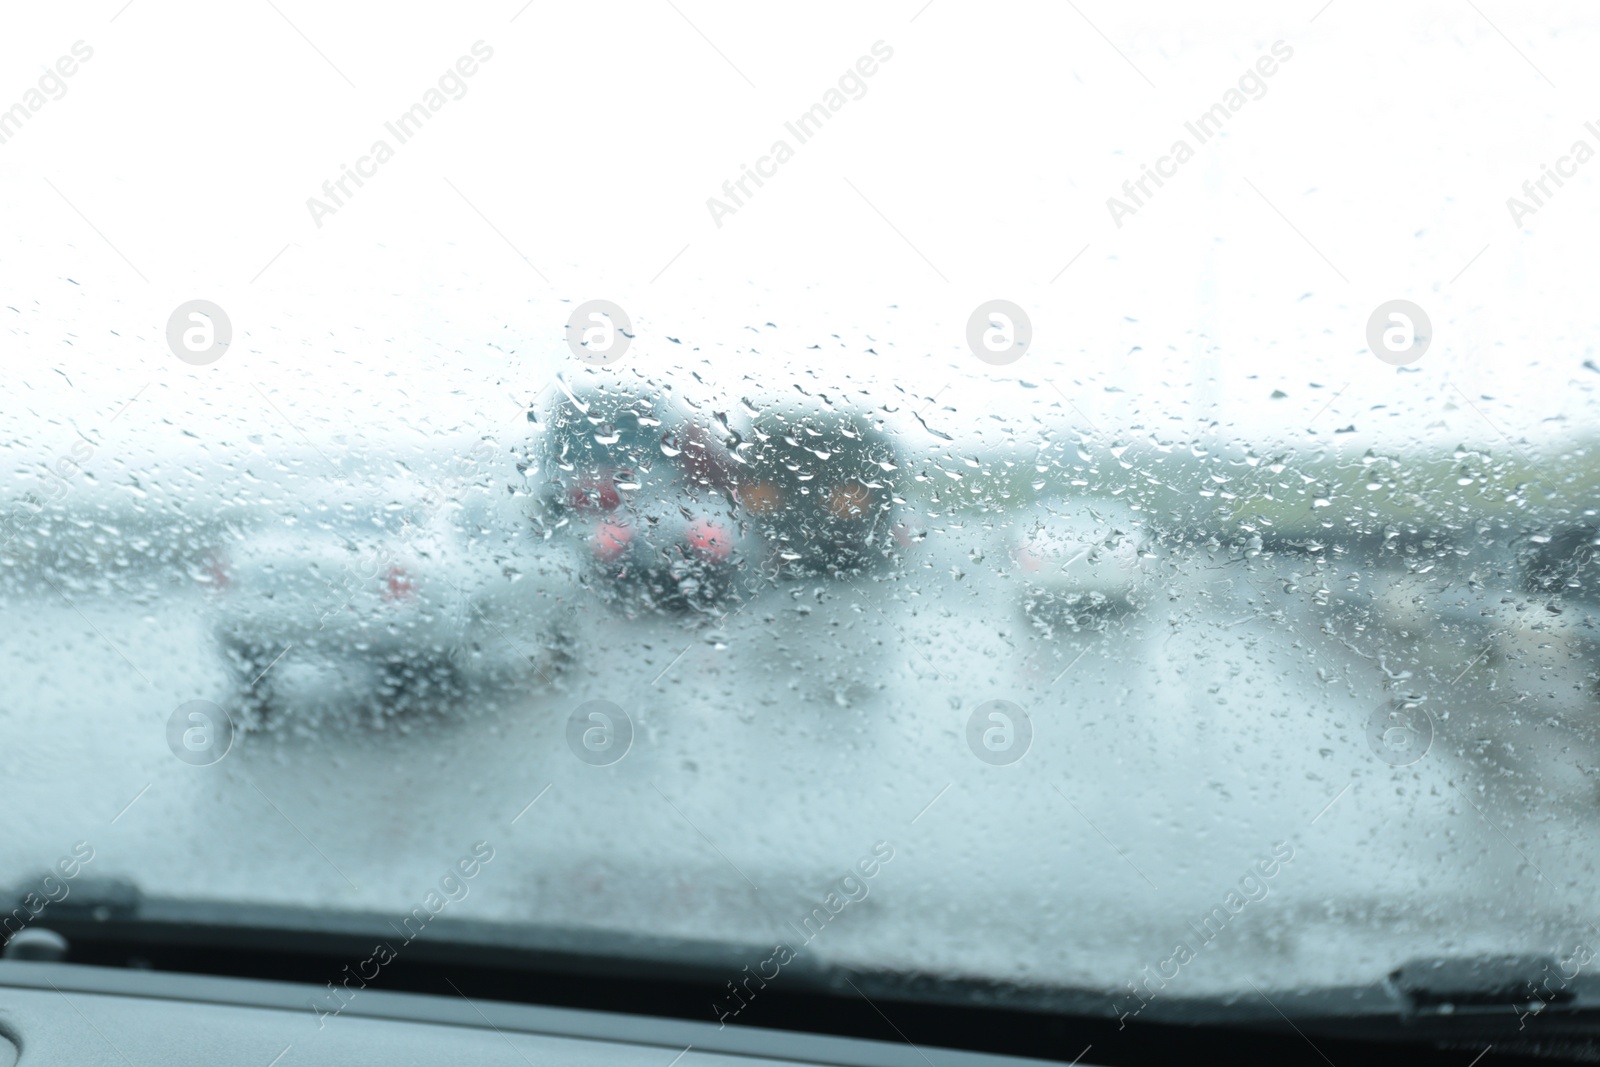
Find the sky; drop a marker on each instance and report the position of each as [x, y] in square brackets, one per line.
[577, 160]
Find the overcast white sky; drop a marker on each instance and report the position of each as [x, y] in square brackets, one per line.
[977, 165]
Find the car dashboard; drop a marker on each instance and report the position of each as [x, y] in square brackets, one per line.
[57, 1013]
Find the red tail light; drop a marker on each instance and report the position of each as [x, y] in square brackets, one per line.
[218, 574]
[610, 541]
[593, 494]
[398, 584]
[709, 540]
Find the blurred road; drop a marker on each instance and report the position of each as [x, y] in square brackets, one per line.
[1170, 752]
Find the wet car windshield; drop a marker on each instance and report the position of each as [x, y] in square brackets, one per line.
[1053, 496]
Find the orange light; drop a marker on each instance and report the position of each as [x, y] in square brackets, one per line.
[593, 494]
[762, 498]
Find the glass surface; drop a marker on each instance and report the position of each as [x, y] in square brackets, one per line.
[1043, 486]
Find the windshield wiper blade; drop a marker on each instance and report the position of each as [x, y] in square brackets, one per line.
[105, 910]
[1450, 984]
[1526, 1003]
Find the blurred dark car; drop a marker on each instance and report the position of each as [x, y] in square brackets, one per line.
[818, 487]
[645, 488]
[1562, 562]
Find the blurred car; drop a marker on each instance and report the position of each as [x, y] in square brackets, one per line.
[644, 489]
[1524, 610]
[414, 592]
[1561, 562]
[818, 486]
[1079, 562]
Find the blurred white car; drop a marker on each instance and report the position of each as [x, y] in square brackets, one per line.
[1080, 561]
[414, 591]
